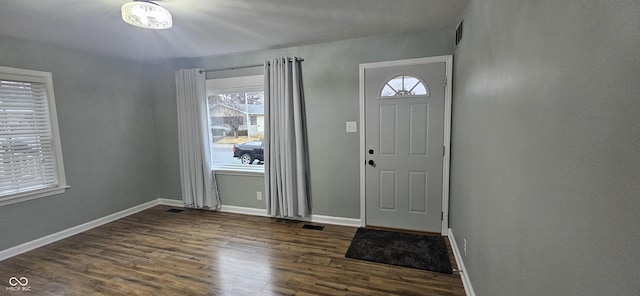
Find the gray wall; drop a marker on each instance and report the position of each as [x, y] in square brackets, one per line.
[546, 141]
[241, 191]
[107, 135]
[331, 80]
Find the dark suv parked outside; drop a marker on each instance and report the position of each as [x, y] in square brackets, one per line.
[249, 151]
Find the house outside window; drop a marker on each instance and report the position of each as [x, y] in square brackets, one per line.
[236, 121]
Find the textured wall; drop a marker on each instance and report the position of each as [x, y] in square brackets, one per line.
[331, 81]
[546, 140]
[106, 126]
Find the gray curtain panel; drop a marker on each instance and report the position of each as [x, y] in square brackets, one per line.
[199, 188]
[285, 144]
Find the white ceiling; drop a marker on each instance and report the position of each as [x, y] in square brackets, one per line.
[214, 27]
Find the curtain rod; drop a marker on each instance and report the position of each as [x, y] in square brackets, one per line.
[240, 67]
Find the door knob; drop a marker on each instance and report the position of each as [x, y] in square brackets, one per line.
[372, 163]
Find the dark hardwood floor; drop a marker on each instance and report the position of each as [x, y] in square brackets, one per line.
[155, 252]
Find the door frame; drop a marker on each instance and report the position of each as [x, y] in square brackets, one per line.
[446, 159]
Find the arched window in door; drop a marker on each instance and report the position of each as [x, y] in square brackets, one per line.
[403, 86]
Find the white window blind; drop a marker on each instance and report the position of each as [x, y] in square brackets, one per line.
[28, 156]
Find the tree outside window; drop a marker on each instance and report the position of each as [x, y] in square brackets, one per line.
[235, 118]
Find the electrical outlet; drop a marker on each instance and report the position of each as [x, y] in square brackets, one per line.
[465, 247]
[259, 195]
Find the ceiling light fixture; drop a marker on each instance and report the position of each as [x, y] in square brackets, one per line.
[146, 14]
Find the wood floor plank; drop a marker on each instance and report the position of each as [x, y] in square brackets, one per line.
[211, 253]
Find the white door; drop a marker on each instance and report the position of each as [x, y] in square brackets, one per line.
[404, 140]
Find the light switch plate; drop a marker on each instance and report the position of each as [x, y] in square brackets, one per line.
[352, 127]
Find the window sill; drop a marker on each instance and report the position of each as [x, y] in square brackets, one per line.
[25, 196]
[251, 171]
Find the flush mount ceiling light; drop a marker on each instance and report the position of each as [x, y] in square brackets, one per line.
[146, 14]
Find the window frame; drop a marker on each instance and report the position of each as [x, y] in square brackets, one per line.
[401, 96]
[24, 75]
[227, 85]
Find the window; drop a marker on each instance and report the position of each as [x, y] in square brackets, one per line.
[236, 120]
[30, 155]
[404, 85]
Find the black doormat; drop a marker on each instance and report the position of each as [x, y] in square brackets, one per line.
[402, 249]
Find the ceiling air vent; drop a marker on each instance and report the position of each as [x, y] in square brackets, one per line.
[459, 33]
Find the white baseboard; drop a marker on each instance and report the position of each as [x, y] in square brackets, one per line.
[28, 246]
[223, 208]
[170, 202]
[335, 220]
[40, 242]
[312, 218]
[244, 211]
[464, 275]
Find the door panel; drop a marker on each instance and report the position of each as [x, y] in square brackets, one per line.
[388, 129]
[418, 119]
[418, 192]
[403, 187]
[387, 190]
